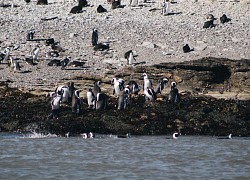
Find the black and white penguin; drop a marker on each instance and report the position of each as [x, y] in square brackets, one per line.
[134, 87]
[30, 35]
[131, 59]
[76, 102]
[65, 62]
[97, 88]
[64, 91]
[94, 37]
[224, 19]
[42, 2]
[123, 100]
[101, 9]
[101, 47]
[14, 65]
[101, 101]
[34, 53]
[176, 135]
[4, 57]
[174, 96]
[118, 86]
[90, 98]
[228, 137]
[150, 94]
[161, 85]
[55, 106]
[147, 83]
[187, 49]
[116, 4]
[210, 21]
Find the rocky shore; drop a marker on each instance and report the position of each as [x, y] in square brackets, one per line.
[213, 79]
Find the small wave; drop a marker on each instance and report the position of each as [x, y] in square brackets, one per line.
[40, 135]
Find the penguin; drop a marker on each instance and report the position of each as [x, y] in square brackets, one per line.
[49, 41]
[56, 47]
[101, 47]
[161, 85]
[118, 86]
[34, 53]
[224, 19]
[76, 63]
[64, 91]
[30, 35]
[91, 135]
[134, 87]
[82, 3]
[94, 37]
[147, 83]
[101, 9]
[4, 56]
[126, 54]
[131, 59]
[76, 102]
[90, 99]
[14, 65]
[65, 62]
[134, 3]
[54, 62]
[122, 100]
[187, 49]
[97, 88]
[174, 96]
[209, 24]
[52, 54]
[124, 136]
[42, 2]
[229, 137]
[55, 106]
[150, 94]
[76, 10]
[176, 135]
[165, 8]
[84, 135]
[116, 4]
[210, 21]
[101, 101]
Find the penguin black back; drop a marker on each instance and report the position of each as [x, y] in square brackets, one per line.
[209, 24]
[101, 9]
[42, 2]
[224, 19]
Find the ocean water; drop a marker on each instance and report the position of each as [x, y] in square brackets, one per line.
[106, 157]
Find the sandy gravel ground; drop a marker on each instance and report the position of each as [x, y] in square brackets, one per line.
[155, 37]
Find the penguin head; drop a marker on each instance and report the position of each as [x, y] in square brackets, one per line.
[173, 84]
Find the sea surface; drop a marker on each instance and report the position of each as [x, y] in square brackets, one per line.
[106, 157]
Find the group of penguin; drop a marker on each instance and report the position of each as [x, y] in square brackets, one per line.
[98, 100]
[65, 94]
[210, 20]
